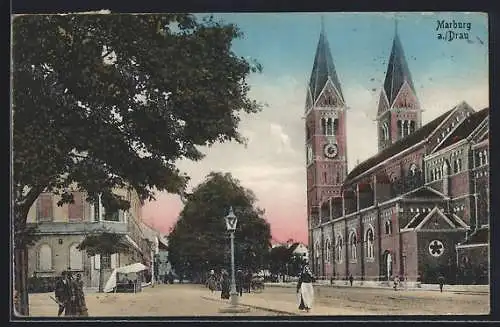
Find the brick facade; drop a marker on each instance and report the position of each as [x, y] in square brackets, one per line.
[426, 186]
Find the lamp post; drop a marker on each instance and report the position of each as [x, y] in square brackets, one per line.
[231, 222]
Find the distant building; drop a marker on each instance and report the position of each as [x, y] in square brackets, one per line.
[159, 247]
[61, 230]
[301, 249]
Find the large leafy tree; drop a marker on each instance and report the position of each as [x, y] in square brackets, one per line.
[199, 239]
[105, 101]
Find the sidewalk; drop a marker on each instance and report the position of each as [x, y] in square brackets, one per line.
[256, 301]
[481, 289]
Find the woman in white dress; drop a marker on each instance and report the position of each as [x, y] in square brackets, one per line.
[305, 291]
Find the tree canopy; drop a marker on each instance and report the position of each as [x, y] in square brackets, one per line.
[282, 260]
[108, 101]
[199, 239]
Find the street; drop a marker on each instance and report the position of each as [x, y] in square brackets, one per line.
[162, 300]
[386, 301]
[195, 300]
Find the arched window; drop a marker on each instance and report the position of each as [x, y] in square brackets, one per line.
[352, 245]
[323, 126]
[327, 250]
[480, 158]
[386, 131]
[339, 247]
[388, 227]
[45, 258]
[485, 156]
[335, 126]
[75, 258]
[459, 163]
[369, 241]
[329, 126]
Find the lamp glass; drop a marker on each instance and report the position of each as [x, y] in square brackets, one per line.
[231, 220]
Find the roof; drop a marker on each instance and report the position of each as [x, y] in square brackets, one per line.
[480, 236]
[399, 146]
[465, 128]
[417, 220]
[397, 71]
[323, 68]
[424, 192]
[420, 217]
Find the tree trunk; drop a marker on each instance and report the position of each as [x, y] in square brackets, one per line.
[101, 275]
[21, 280]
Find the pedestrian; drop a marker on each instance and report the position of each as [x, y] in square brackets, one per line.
[351, 279]
[305, 290]
[248, 281]
[239, 282]
[212, 282]
[441, 283]
[70, 299]
[225, 285]
[61, 293]
[396, 283]
[80, 304]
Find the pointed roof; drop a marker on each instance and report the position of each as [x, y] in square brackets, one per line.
[397, 70]
[323, 69]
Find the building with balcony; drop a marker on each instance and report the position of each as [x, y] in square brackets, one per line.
[62, 228]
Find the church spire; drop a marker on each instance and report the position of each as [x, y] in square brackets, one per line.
[323, 69]
[397, 69]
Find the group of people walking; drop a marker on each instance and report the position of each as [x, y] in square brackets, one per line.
[69, 295]
[305, 291]
[222, 282]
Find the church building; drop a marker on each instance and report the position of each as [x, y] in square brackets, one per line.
[417, 209]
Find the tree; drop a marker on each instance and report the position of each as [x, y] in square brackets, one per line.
[103, 243]
[278, 258]
[199, 238]
[284, 262]
[106, 101]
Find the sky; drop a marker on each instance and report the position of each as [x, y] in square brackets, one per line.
[444, 73]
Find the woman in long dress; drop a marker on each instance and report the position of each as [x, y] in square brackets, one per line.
[80, 305]
[225, 285]
[305, 290]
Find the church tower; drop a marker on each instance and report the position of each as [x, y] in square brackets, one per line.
[325, 139]
[399, 113]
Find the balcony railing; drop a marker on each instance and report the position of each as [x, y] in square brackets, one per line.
[64, 228]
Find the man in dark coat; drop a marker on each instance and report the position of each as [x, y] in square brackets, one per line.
[239, 282]
[62, 292]
[441, 283]
[225, 285]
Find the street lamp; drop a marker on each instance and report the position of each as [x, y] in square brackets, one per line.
[231, 222]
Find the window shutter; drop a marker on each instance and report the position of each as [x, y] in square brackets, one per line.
[44, 207]
[75, 210]
[97, 262]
